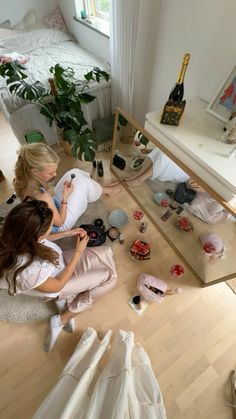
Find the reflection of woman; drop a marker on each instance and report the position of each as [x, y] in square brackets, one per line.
[207, 208]
[37, 166]
[158, 166]
[32, 265]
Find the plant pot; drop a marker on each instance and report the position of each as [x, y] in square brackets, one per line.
[66, 147]
[127, 134]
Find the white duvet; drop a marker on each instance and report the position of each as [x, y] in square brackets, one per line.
[45, 48]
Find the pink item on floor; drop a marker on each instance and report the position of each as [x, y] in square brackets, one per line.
[212, 244]
[138, 215]
[177, 271]
[151, 288]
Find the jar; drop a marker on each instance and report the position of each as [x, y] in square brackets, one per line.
[143, 227]
[121, 238]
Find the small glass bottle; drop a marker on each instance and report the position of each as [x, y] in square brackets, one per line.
[143, 227]
[121, 238]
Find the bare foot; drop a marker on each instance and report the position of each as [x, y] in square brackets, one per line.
[194, 185]
[114, 183]
[111, 190]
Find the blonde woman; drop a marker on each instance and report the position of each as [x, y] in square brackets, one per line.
[36, 168]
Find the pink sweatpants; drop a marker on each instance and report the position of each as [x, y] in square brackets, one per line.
[94, 276]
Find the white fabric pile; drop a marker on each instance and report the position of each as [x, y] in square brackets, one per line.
[125, 388]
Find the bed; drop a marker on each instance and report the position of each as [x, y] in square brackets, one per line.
[43, 47]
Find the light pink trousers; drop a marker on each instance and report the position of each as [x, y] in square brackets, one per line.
[94, 276]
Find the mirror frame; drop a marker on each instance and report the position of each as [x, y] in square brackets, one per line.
[186, 169]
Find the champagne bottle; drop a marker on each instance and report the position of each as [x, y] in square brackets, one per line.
[177, 93]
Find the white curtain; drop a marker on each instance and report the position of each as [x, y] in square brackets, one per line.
[94, 387]
[124, 28]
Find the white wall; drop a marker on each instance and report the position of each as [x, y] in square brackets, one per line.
[87, 38]
[16, 9]
[206, 29]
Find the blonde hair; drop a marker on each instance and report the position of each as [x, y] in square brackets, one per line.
[32, 156]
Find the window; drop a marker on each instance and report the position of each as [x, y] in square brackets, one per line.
[101, 8]
[95, 13]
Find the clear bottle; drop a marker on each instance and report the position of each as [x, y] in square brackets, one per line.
[121, 238]
[143, 227]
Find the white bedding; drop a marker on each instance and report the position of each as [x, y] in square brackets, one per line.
[45, 48]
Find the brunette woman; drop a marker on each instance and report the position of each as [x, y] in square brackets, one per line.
[32, 265]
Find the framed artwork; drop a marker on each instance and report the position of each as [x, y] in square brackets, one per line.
[224, 103]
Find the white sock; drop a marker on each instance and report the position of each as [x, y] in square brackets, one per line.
[69, 326]
[55, 328]
[61, 307]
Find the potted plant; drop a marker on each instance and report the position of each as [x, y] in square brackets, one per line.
[61, 103]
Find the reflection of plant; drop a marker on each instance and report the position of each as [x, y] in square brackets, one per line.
[141, 139]
[122, 121]
[61, 104]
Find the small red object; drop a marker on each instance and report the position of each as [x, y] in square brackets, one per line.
[209, 247]
[138, 215]
[177, 271]
[164, 203]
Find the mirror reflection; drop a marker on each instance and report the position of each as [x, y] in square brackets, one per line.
[198, 227]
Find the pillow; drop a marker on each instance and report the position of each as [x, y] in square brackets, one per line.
[39, 24]
[6, 24]
[29, 18]
[55, 20]
[27, 42]
[7, 34]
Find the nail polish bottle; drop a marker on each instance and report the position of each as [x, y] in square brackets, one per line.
[100, 169]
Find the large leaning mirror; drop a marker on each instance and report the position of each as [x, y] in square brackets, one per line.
[185, 210]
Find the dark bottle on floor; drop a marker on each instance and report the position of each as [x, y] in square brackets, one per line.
[100, 169]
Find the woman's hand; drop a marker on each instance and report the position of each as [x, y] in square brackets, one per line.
[82, 243]
[67, 190]
[75, 232]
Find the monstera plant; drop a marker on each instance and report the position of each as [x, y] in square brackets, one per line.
[61, 103]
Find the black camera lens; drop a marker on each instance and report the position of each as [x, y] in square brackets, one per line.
[169, 192]
[136, 299]
[98, 222]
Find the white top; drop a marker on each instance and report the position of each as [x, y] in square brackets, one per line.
[37, 273]
[197, 143]
[86, 190]
[165, 169]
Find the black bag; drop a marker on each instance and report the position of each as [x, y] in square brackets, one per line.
[119, 162]
[183, 194]
[97, 235]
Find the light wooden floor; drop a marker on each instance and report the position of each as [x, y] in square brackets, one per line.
[190, 338]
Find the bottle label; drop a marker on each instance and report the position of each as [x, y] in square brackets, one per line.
[172, 112]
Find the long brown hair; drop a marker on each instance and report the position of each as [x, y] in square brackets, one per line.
[32, 156]
[19, 235]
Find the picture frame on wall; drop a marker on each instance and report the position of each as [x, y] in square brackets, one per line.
[224, 102]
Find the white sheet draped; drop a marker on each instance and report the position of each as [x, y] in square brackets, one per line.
[124, 28]
[125, 388]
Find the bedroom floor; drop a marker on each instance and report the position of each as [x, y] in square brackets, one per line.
[190, 338]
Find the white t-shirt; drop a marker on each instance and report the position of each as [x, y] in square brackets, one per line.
[37, 273]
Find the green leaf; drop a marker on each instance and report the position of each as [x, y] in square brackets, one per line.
[89, 76]
[143, 140]
[86, 97]
[122, 121]
[84, 146]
